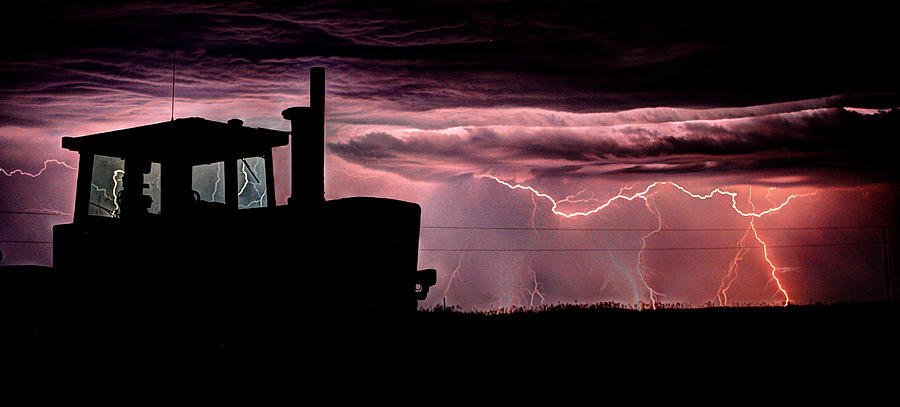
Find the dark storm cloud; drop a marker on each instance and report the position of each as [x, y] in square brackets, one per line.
[13, 119]
[92, 63]
[806, 142]
[574, 55]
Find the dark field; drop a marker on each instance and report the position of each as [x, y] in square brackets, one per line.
[552, 336]
[859, 332]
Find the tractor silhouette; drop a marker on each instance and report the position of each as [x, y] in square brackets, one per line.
[176, 233]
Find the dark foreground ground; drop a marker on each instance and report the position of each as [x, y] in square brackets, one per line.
[851, 339]
[558, 355]
[549, 352]
[559, 323]
[443, 341]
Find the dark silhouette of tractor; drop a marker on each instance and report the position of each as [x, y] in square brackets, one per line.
[176, 229]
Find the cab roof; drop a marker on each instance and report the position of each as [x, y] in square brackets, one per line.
[191, 140]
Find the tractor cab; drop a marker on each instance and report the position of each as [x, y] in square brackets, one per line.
[174, 223]
[185, 167]
[140, 190]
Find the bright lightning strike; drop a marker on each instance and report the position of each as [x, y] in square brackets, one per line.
[643, 195]
[40, 172]
[212, 197]
[641, 254]
[787, 298]
[45, 166]
[260, 194]
[115, 190]
[731, 275]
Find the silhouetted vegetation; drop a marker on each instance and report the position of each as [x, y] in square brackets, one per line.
[610, 316]
[615, 306]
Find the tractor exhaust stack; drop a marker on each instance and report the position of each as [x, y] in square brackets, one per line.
[308, 145]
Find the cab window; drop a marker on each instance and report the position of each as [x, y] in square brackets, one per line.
[252, 188]
[106, 186]
[208, 181]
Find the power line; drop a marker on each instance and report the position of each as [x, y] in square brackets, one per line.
[648, 229]
[607, 249]
[562, 229]
[627, 249]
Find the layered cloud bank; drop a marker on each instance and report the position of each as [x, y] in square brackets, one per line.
[809, 145]
[569, 89]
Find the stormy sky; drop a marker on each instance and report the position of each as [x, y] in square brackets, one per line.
[427, 100]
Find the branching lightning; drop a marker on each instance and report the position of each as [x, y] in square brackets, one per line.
[535, 289]
[641, 254]
[262, 195]
[787, 298]
[731, 275]
[115, 188]
[44, 167]
[17, 171]
[644, 195]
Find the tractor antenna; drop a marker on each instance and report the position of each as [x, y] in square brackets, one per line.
[173, 86]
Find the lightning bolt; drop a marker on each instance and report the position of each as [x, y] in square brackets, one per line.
[114, 198]
[742, 251]
[722, 295]
[555, 203]
[261, 195]
[535, 289]
[155, 208]
[246, 180]
[40, 172]
[643, 195]
[641, 265]
[731, 275]
[787, 298]
[44, 167]
[784, 292]
[212, 197]
[453, 275]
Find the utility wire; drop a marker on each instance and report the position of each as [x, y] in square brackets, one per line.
[626, 249]
[649, 229]
[609, 249]
[561, 229]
